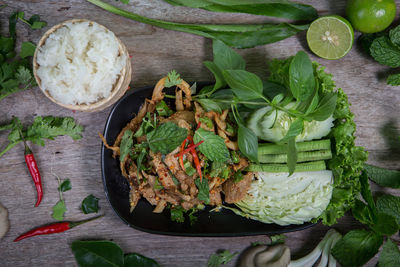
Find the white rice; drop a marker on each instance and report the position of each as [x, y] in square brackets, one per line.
[79, 63]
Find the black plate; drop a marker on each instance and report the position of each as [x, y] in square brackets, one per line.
[223, 223]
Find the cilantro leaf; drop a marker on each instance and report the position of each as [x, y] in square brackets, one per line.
[215, 260]
[393, 79]
[385, 52]
[90, 204]
[166, 137]
[50, 127]
[213, 147]
[126, 145]
[390, 255]
[202, 186]
[27, 49]
[356, 247]
[65, 186]
[173, 78]
[23, 75]
[58, 211]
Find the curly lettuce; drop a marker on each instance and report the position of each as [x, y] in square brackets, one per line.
[348, 159]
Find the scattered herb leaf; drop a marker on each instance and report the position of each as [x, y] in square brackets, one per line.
[383, 177]
[65, 186]
[213, 147]
[58, 210]
[166, 137]
[390, 255]
[202, 186]
[215, 260]
[90, 204]
[173, 78]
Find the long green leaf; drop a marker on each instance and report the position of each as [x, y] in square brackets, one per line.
[97, 253]
[273, 8]
[235, 35]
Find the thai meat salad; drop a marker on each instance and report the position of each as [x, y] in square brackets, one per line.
[192, 154]
[279, 150]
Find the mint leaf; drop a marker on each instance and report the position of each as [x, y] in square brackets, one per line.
[27, 49]
[385, 225]
[362, 213]
[90, 204]
[215, 260]
[301, 75]
[65, 186]
[390, 255]
[385, 52]
[393, 79]
[390, 205]
[126, 144]
[213, 147]
[356, 248]
[394, 36]
[166, 137]
[202, 186]
[58, 211]
[137, 260]
[382, 176]
[245, 85]
[173, 78]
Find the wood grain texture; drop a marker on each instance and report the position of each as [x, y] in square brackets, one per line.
[155, 51]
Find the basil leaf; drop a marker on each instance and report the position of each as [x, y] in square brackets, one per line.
[248, 143]
[65, 186]
[209, 104]
[390, 205]
[357, 247]
[90, 204]
[280, 9]
[385, 225]
[272, 89]
[295, 129]
[245, 85]
[219, 78]
[291, 155]
[126, 144]
[226, 58]
[383, 177]
[137, 260]
[97, 253]
[390, 255]
[58, 211]
[202, 186]
[301, 76]
[213, 147]
[166, 137]
[325, 108]
[223, 97]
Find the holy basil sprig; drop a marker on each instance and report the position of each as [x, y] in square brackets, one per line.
[382, 219]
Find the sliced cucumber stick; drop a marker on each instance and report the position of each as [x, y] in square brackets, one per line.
[301, 167]
[301, 156]
[270, 148]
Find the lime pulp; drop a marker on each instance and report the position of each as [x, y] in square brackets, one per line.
[330, 37]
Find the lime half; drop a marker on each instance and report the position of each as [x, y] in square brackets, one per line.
[330, 37]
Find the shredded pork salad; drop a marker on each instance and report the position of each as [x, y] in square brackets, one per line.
[184, 158]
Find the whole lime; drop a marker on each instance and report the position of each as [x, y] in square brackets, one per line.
[369, 16]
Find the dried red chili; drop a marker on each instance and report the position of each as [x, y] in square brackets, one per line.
[53, 228]
[33, 170]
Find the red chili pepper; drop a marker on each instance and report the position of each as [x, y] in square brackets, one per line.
[181, 155]
[198, 125]
[53, 228]
[33, 170]
[195, 158]
[190, 147]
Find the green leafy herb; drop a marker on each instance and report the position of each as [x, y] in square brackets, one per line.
[219, 169]
[390, 205]
[42, 128]
[173, 78]
[209, 105]
[280, 9]
[177, 214]
[34, 21]
[207, 121]
[250, 34]
[357, 247]
[223, 257]
[385, 52]
[58, 211]
[213, 147]
[384, 177]
[163, 110]
[202, 186]
[90, 204]
[302, 81]
[248, 143]
[390, 255]
[97, 253]
[126, 144]
[166, 137]
[238, 176]
[149, 123]
[27, 49]
[137, 260]
[393, 79]
[245, 85]
[65, 186]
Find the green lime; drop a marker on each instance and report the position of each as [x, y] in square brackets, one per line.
[330, 37]
[369, 16]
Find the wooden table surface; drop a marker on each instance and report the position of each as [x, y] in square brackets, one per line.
[154, 52]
